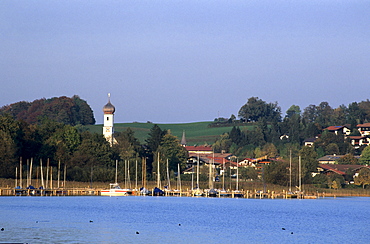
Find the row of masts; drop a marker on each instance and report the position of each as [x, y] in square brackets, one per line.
[47, 183]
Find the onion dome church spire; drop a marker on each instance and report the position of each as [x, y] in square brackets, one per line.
[108, 129]
[109, 108]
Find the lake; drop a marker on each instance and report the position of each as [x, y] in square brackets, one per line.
[136, 219]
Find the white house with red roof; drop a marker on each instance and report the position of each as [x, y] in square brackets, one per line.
[364, 129]
[339, 129]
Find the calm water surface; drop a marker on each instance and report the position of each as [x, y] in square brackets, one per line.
[183, 220]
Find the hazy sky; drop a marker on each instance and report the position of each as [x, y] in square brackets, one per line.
[183, 61]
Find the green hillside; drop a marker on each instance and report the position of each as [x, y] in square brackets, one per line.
[196, 133]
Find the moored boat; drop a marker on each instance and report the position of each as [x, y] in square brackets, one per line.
[115, 190]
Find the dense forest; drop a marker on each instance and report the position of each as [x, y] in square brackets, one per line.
[50, 130]
[69, 111]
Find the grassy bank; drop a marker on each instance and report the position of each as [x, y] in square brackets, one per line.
[196, 133]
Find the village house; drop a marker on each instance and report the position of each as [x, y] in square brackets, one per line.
[339, 130]
[364, 129]
[310, 141]
[340, 169]
[332, 159]
[358, 141]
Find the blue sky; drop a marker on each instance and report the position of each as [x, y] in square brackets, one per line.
[183, 61]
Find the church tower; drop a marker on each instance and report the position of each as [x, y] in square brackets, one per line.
[108, 129]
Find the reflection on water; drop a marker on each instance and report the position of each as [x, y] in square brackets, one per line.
[182, 220]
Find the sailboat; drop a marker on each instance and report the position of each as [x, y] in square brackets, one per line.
[290, 194]
[157, 190]
[114, 188]
[143, 190]
[223, 192]
[197, 191]
[211, 192]
[237, 193]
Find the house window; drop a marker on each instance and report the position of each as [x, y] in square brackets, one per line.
[107, 118]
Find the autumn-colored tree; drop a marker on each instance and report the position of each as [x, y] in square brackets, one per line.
[363, 177]
[348, 159]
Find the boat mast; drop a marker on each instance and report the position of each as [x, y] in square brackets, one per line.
[128, 174]
[125, 168]
[16, 176]
[223, 174]
[237, 174]
[31, 171]
[47, 173]
[158, 174]
[179, 178]
[210, 176]
[65, 175]
[20, 172]
[168, 177]
[136, 174]
[290, 172]
[300, 174]
[198, 172]
[116, 171]
[143, 172]
[58, 173]
[42, 174]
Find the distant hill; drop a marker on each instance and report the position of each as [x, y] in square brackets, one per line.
[197, 133]
[71, 111]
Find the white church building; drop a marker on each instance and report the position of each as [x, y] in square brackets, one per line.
[108, 129]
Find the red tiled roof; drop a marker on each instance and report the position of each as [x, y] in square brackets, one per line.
[199, 148]
[364, 125]
[328, 167]
[357, 137]
[334, 127]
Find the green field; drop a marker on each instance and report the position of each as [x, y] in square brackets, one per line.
[197, 133]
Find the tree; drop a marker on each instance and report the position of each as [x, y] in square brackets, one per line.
[152, 143]
[293, 110]
[65, 110]
[363, 177]
[324, 114]
[365, 156]
[93, 152]
[128, 145]
[171, 149]
[223, 143]
[236, 135]
[348, 159]
[270, 150]
[309, 163]
[155, 137]
[310, 114]
[7, 155]
[255, 109]
[277, 173]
